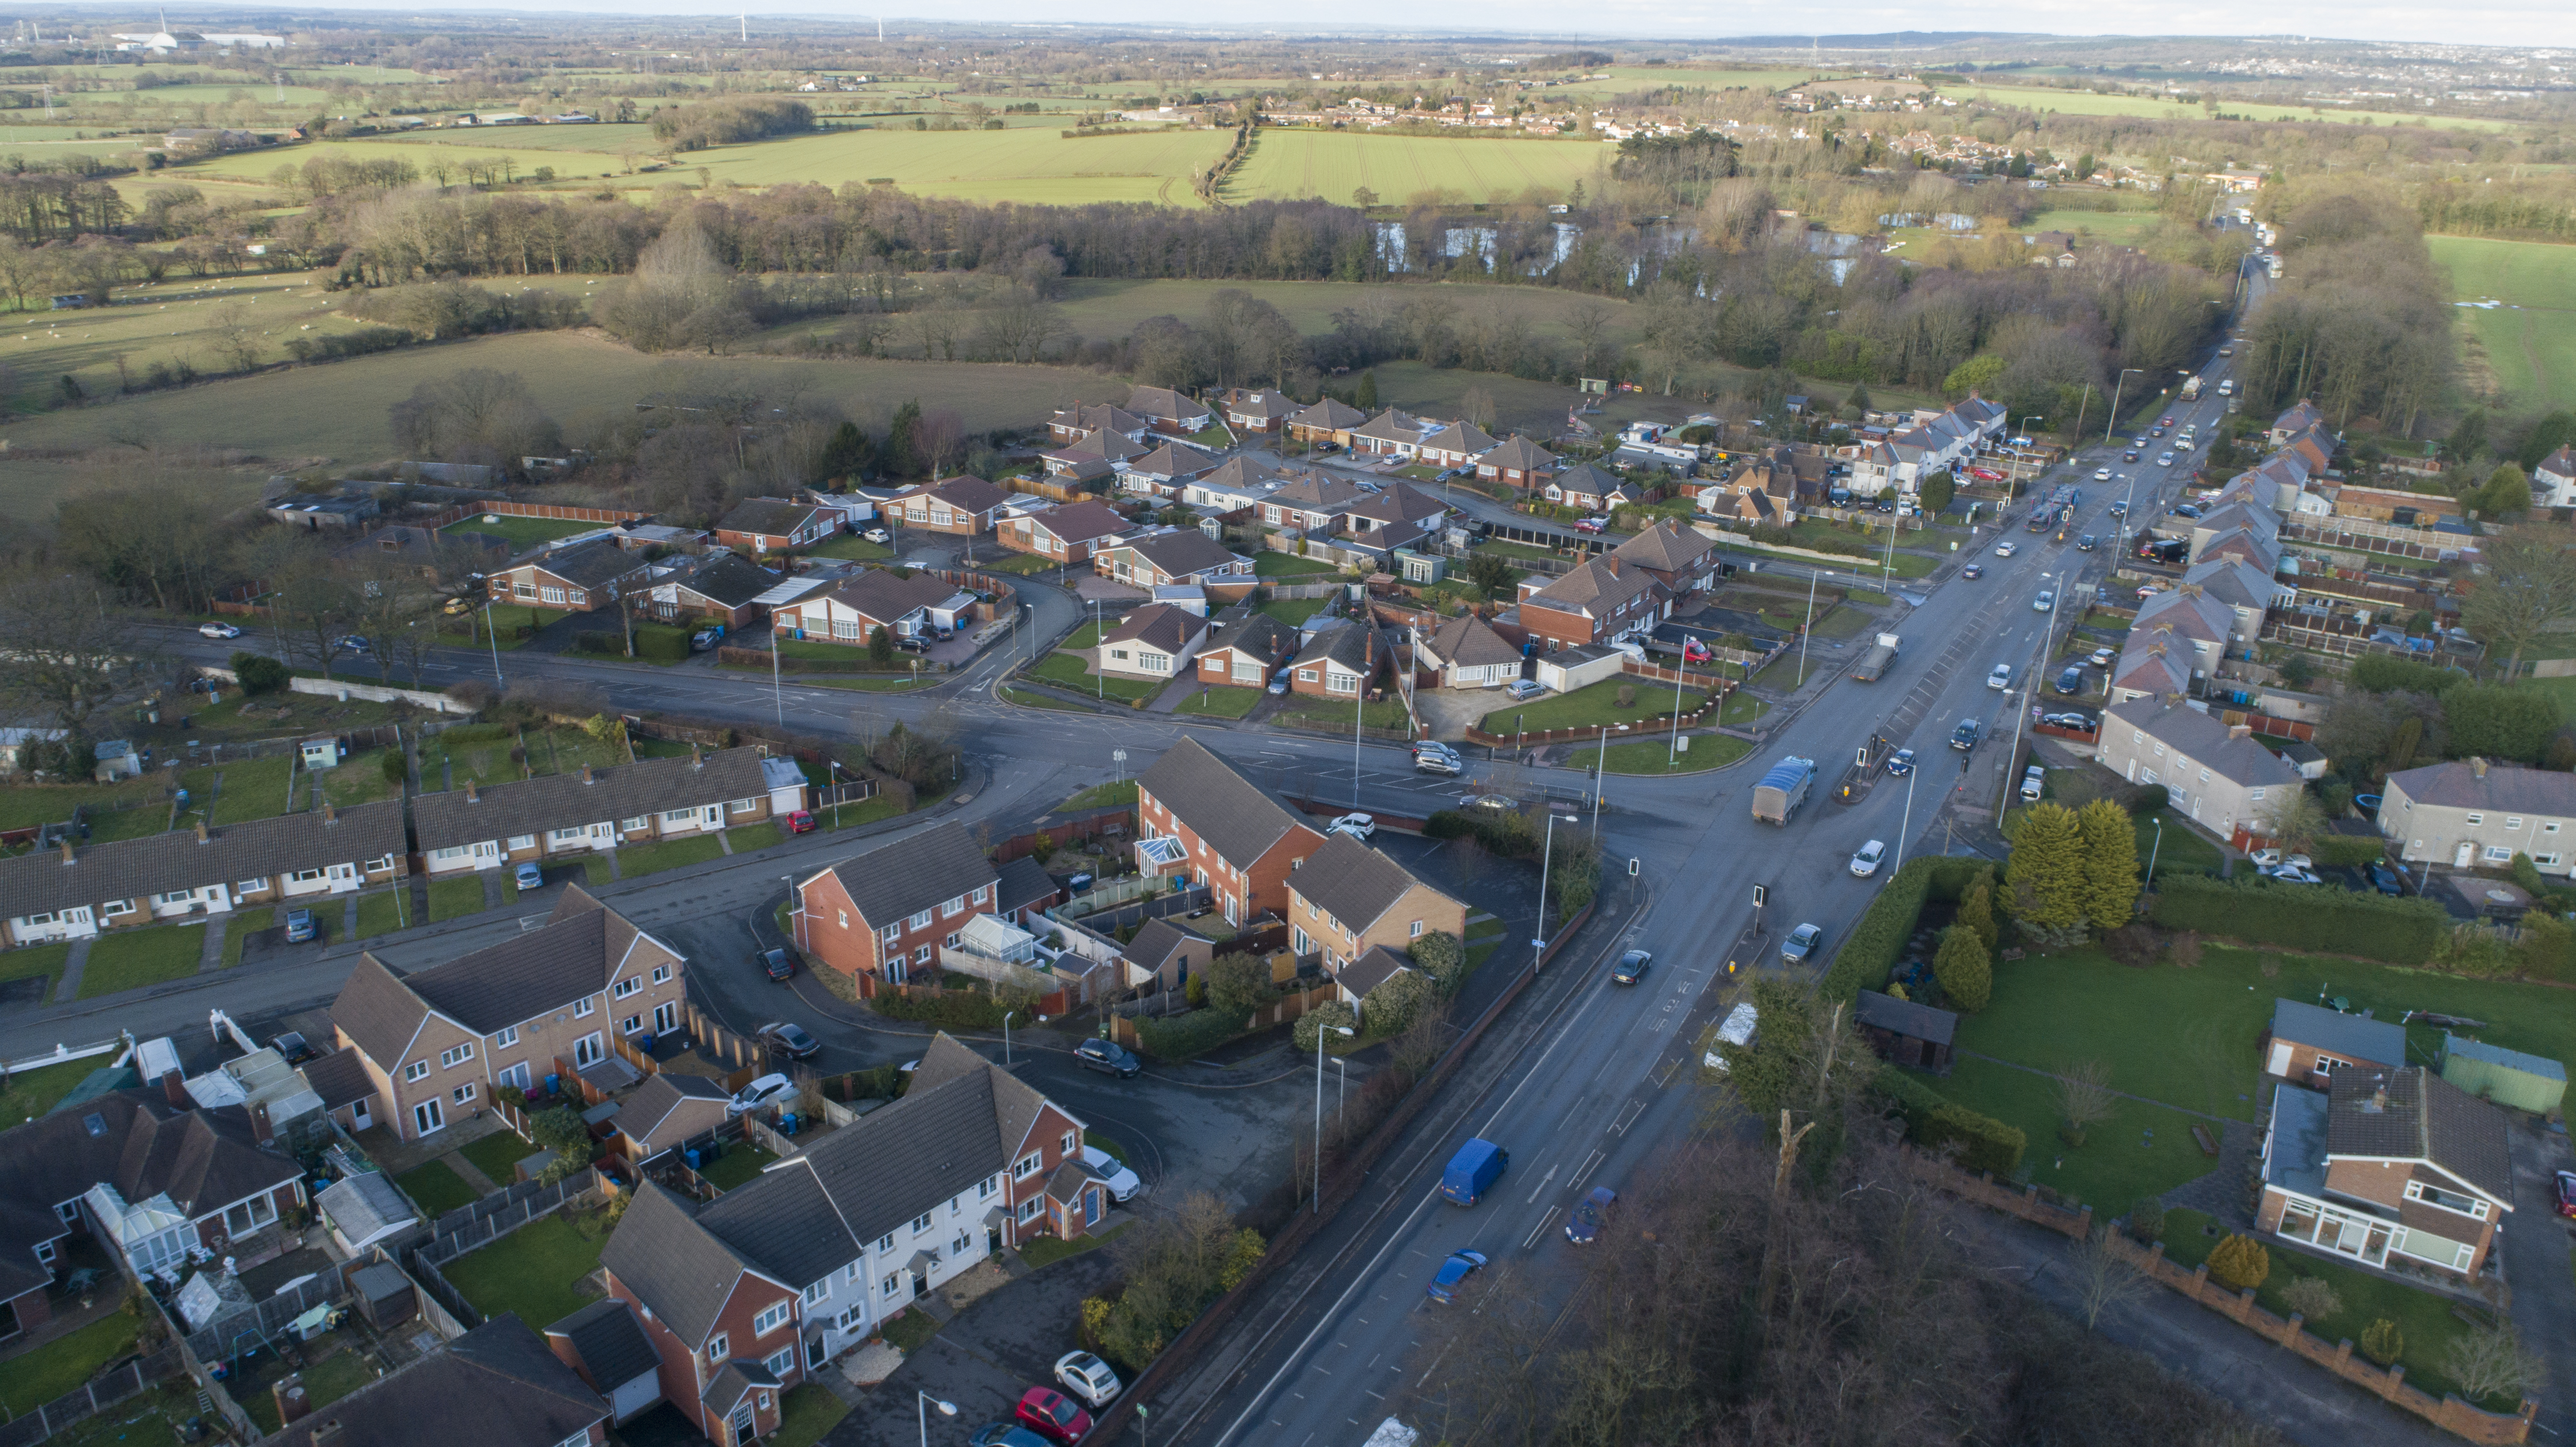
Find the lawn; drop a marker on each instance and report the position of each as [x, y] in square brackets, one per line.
[325, 1382]
[850, 816]
[1741, 707]
[1046, 1251]
[2185, 850]
[1218, 702]
[1066, 669]
[456, 897]
[34, 962]
[2530, 340]
[435, 1187]
[1590, 707]
[1327, 713]
[1299, 164]
[524, 533]
[30, 1381]
[383, 911]
[910, 1329]
[130, 959]
[1293, 611]
[498, 1155]
[239, 791]
[737, 1166]
[755, 836]
[852, 547]
[1508, 549]
[1652, 756]
[807, 1412]
[1270, 563]
[466, 629]
[1019, 565]
[1026, 699]
[248, 922]
[34, 1092]
[358, 780]
[2142, 1150]
[535, 1271]
[1100, 796]
[653, 858]
[23, 806]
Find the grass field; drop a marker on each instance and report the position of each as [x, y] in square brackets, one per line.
[2117, 226]
[456, 896]
[247, 922]
[1296, 164]
[1655, 756]
[2087, 103]
[522, 532]
[1622, 78]
[2530, 341]
[1589, 707]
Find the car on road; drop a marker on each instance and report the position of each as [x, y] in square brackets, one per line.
[2164, 459]
[2120, 509]
[1589, 525]
[2129, 456]
[2006, 549]
[1487, 801]
[2166, 420]
[219, 630]
[1964, 737]
[1900, 763]
[1973, 570]
[1801, 943]
[1631, 967]
[1451, 1278]
[1865, 863]
[1108, 1057]
[2000, 678]
[2563, 1191]
[877, 535]
[1087, 1377]
[788, 1039]
[2101, 474]
[1053, 1415]
[2182, 444]
[2086, 543]
[300, 926]
[1584, 1227]
[2046, 602]
[355, 643]
[1434, 757]
[2157, 431]
[763, 1091]
[776, 964]
[1113, 1173]
[1357, 825]
[1005, 1434]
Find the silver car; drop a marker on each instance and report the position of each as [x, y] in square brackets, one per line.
[1801, 943]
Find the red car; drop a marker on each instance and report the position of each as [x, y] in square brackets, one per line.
[1052, 1414]
[800, 822]
[2167, 420]
[2565, 1193]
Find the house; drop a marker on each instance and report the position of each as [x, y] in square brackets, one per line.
[2553, 479]
[2154, 668]
[1402, 509]
[1376, 965]
[1751, 506]
[1601, 601]
[1251, 648]
[1349, 898]
[1156, 641]
[2187, 618]
[348, 1096]
[2240, 587]
[2300, 419]
[1312, 502]
[606, 1347]
[1075, 423]
[524, 820]
[1231, 487]
[157, 1179]
[1341, 660]
[1683, 559]
[1168, 952]
[22, 749]
[1586, 486]
[766, 525]
[1327, 422]
[437, 1042]
[1172, 555]
[1258, 412]
[1168, 411]
[576, 579]
[883, 914]
[1220, 830]
[423, 553]
[2388, 1163]
[1518, 463]
[1466, 652]
[1065, 534]
[2472, 812]
[2530, 1083]
[1457, 444]
[2309, 1043]
[666, 1110]
[76, 891]
[1162, 470]
[1390, 434]
[2213, 772]
[1936, 442]
[923, 605]
[1097, 454]
[962, 506]
[1905, 1032]
[744, 1296]
[719, 588]
[1025, 893]
[495, 1386]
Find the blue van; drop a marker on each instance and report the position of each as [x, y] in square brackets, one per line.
[1473, 1171]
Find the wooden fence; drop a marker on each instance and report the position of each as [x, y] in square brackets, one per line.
[606, 516]
[1119, 822]
[87, 1401]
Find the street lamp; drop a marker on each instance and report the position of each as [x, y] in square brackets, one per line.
[1006, 1037]
[2159, 845]
[1319, 1111]
[2114, 419]
[1547, 860]
[1907, 827]
[488, 636]
[795, 907]
[922, 1408]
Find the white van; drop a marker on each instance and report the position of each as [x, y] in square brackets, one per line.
[1735, 1034]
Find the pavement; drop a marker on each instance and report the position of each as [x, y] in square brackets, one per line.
[2536, 1265]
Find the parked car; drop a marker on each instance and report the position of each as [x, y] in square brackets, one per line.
[1487, 801]
[704, 639]
[1964, 737]
[2046, 602]
[528, 876]
[913, 643]
[1087, 1377]
[788, 1039]
[2563, 1189]
[1801, 943]
[2034, 781]
[2294, 874]
[2269, 859]
[219, 630]
[1588, 525]
[1357, 825]
[777, 964]
[2071, 679]
[1053, 1415]
[1278, 682]
[1584, 1227]
[2102, 658]
[1005, 1434]
[457, 607]
[2384, 879]
[1631, 967]
[1865, 863]
[801, 822]
[1522, 690]
[877, 535]
[1451, 1278]
[1108, 1057]
[766, 1090]
[1113, 1173]
[1900, 763]
[2082, 723]
[300, 926]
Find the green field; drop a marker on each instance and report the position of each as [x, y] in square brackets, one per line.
[2530, 341]
[1295, 164]
[2120, 226]
[1622, 78]
[1098, 308]
[2087, 103]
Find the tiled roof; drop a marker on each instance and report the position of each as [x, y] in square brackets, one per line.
[1358, 647]
[1586, 479]
[1668, 547]
[969, 493]
[1392, 426]
[2413, 1114]
[455, 817]
[653, 1102]
[1258, 635]
[1173, 461]
[1402, 503]
[787, 1224]
[2187, 614]
[1098, 415]
[1461, 437]
[2144, 669]
[1330, 415]
[882, 597]
[1350, 882]
[1242, 474]
[1910, 1018]
[731, 1383]
[526, 975]
[1024, 882]
[1101, 446]
[1164, 403]
[1319, 492]
[339, 1078]
[1229, 813]
[1081, 522]
[2349, 1037]
[586, 565]
[1159, 626]
[41, 883]
[1183, 552]
[1375, 966]
[1269, 406]
[1470, 641]
[609, 1342]
[1519, 455]
[138, 1142]
[673, 1265]
[496, 1386]
[1598, 587]
[905, 876]
[957, 1124]
[770, 515]
[2505, 788]
[728, 579]
[2207, 742]
[1157, 941]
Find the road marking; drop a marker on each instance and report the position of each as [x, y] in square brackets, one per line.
[1542, 1185]
[1435, 1366]
[1591, 1163]
[1531, 1243]
[1628, 1116]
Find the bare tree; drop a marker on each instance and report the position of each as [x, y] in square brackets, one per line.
[68, 654]
[2103, 1277]
[2492, 1363]
[2294, 818]
[2529, 586]
[2083, 1091]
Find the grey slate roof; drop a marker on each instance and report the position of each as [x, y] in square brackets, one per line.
[522, 977]
[1667, 547]
[653, 1102]
[41, 883]
[957, 1124]
[609, 1343]
[2504, 788]
[1228, 812]
[2298, 1160]
[1183, 552]
[1357, 646]
[458, 817]
[1519, 455]
[1157, 941]
[2208, 744]
[1259, 635]
[1910, 1018]
[1375, 966]
[913, 874]
[775, 516]
[1330, 414]
[1470, 641]
[587, 565]
[1583, 477]
[1158, 626]
[1350, 881]
[2425, 1118]
[732, 1382]
[2346, 1037]
[682, 1271]
[1163, 403]
[882, 598]
[1173, 461]
[339, 1078]
[1024, 882]
[495, 1386]
[788, 1225]
[730, 579]
[1081, 522]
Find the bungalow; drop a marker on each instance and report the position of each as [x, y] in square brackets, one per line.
[2309, 1043]
[1156, 641]
[1401, 507]
[1391, 434]
[1457, 444]
[2553, 480]
[918, 606]
[882, 914]
[1586, 486]
[497, 1385]
[1312, 502]
[1098, 454]
[1200, 817]
[75, 892]
[1173, 555]
[1518, 463]
[1327, 421]
[1236, 485]
[962, 505]
[1168, 411]
[1466, 652]
[1750, 506]
[526, 820]
[1342, 660]
[1248, 652]
[2388, 1163]
[1259, 412]
[1075, 423]
[574, 580]
[1350, 898]
[422, 553]
[775, 525]
[1600, 601]
[1067, 534]
[720, 588]
[1171, 463]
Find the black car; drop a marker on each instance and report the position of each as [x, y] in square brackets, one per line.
[2072, 679]
[1631, 967]
[789, 1040]
[1964, 737]
[777, 964]
[913, 645]
[1108, 1057]
[2086, 543]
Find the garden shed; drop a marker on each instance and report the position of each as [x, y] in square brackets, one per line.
[1905, 1032]
[2507, 1077]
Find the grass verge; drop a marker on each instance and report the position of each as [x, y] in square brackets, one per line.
[248, 922]
[132, 959]
[1654, 756]
[1100, 796]
[456, 897]
[1216, 702]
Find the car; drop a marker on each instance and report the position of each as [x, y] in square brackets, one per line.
[801, 822]
[2184, 510]
[2102, 474]
[2086, 543]
[2034, 780]
[2269, 859]
[219, 630]
[1087, 1377]
[1487, 801]
[528, 876]
[1900, 763]
[1522, 690]
[2165, 421]
[1801, 943]
[704, 639]
[1444, 763]
[776, 964]
[2164, 459]
[1588, 525]
[2384, 879]
[2070, 679]
[1356, 825]
[2081, 723]
[2137, 442]
[2182, 444]
[788, 1039]
[877, 535]
[913, 643]
[2157, 431]
[1434, 746]
[2001, 677]
[1964, 737]
[1113, 1173]
[1865, 863]
[763, 1091]
[354, 643]
[1584, 1226]
[1973, 570]
[2006, 549]
[2120, 509]
[2046, 602]
[1631, 967]
[1108, 1057]
[2102, 658]
[2129, 456]
[1052, 1415]
[1278, 682]
[1005, 1434]
[457, 607]
[1452, 1276]
[300, 926]
[2563, 1192]
[2293, 874]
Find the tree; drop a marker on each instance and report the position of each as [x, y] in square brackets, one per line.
[1493, 576]
[880, 646]
[2507, 493]
[1392, 1006]
[476, 415]
[1314, 1022]
[1977, 909]
[1973, 374]
[69, 656]
[2492, 1363]
[562, 1131]
[899, 456]
[1440, 955]
[2045, 872]
[2530, 586]
[1239, 983]
[2313, 1298]
[2239, 1263]
[1477, 406]
[2104, 1277]
[2496, 722]
[2467, 437]
[848, 455]
[259, 674]
[2083, 1092]
[1365, 398]
[2382, 1342]
[2110, 864]
[1962, 967]
[2292, 818]
[1937, 491]
[1808, 1058]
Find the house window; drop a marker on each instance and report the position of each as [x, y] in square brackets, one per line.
[780, 1363]
[2549, 828]
[549, 593]
[772, 1319]
[2499, 854]
[626, 987]
[2513, 821]
[2477, 818]
[582, 1008]
[1030, 1207]
[921, 956]
[1026, 1167]
[250, 1215]
[921, 1223]
[558, 836]
[718, 1347]
[661, 974]
[417, 1070]
[851, 1271]
[950, 942]
[2254, 796]
[1065, 1146]
[464, 1094]
[1416, 932]
[115, 907]
[919, 921]
[984, 1189]
[631, 1024]
[505, 1037]
[2545, 861]
[524, 588]
[886, 1242]
[639, 822]
[889, 1286]
[954, 907]
[2447, 1200]
[455, 1055]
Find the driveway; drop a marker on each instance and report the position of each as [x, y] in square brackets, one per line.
[997, 1348]
[2536, 1266]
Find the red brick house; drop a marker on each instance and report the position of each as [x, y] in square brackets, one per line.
[1094, 455]
[877, 598]
[577, 579]
[1455, 444]
[1174, 555]
[715, 589]
[964, 505]
[1681, 558]
[764, 525]
[1247, 652]
[2388, 1168]
[1075, 423]
[1200, 817]
[1257, 412]
[1327, 421]
[1518, 463]
[1600, 601]
[1067, 534]
[881, 915]
[1342, 661]
[495, 1386]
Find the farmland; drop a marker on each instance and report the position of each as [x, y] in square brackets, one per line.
[1099, 308]
[2530, 341]
[2088, 103]
[1296, 164]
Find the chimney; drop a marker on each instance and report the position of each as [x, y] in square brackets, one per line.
[697, 760]
[2240, 731]
[327, 1432]
[2378, 1096]
[586, 775]
[201, 831]
[174, 1089]
[1614, 563]
[330, 812]
[67, 849]
[471, 796]
[2476, 766]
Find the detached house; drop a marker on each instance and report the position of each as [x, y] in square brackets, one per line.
[1201, 818]
[1168, 411]
[1156, 641]
[1457, 444]
[1681, 558]
[1466, 652]
[1586, 486]
[1247, 652]
[877, 598]
[1518, 463]
[1601, 601]
[717, 589]
[557, 814]
[1234, 485]
[775, 525]
[496, 1386]
[2388, 1163]
[577, 579]
[1391, 434]
[1328, 422]
[2553, 480]
[1161, 559]
[1163, 470]
[1349, 899]
[435, 1043]
[1257, 412]
[1401, 512]
[75, 892]
[1312, 502]
[1342, 660]
[1099, 454]
[883, 914]
[1075, 423]
[962, 506]
[1065, 534]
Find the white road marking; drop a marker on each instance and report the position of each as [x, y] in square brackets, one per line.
[1531, 1242]
[1542, 1185]
[1591, 1163]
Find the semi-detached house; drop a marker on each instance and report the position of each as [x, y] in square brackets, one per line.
[495, 1386]
[476, 827]
[1603, 600]
[880, 916]
[2474, 812]
[2213, 772]
[1350, 898]
[76, 891]
[1200, 817]
[437, 1042]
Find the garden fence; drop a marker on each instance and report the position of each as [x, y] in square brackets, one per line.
[85, 1402]
[500, 1213]
[269, 1317]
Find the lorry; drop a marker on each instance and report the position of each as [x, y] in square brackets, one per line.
[1473, 1171]
[2191, 388]
[1875, 661]
[1783, 789]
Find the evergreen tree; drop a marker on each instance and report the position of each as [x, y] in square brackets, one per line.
[2110, 864]
[880, 646]
[1977, 909]
[2046, 871]
[900, 456]
[1365, 398]
[847, 455]
[2507, 493]
[1965, 973]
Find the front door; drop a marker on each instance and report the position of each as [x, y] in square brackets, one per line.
[426, 1118]
[920, 1282]
[487, 855]
[2460, 859]
[742, 1423]
[1090, 1207]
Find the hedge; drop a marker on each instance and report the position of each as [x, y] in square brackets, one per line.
[1878, 941]
[2400, 931]
[1508, 835]
[1186, 1036]
[2348, 849]
[1986, 1144]
[661, 645]
[951, 1009]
